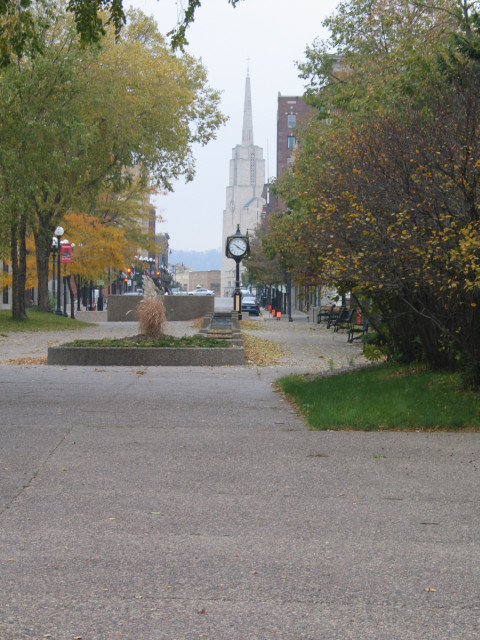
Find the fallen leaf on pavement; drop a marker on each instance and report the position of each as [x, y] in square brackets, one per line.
[262, 353]
[25, 361]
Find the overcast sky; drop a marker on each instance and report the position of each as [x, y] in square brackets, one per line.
[266, 36]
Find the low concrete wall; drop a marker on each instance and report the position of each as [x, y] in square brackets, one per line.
[146, 356]
[91, 316]
[124, 308]
[188, 307]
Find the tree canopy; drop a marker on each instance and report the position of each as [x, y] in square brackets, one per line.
[21, 23]
[78, 119]
[384, 192]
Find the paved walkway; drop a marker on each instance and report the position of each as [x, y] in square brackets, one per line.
[307, 347]
[182, 503]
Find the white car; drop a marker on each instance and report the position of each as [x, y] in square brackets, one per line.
[201, 291]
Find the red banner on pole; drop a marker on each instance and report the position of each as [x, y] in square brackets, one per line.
[66, 252]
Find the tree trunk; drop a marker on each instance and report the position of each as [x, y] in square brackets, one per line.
[19, 268]
[72, 297]
[78, 285]
[43, 242]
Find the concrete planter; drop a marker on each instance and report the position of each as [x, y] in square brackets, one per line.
[222, 324]
[146, 356]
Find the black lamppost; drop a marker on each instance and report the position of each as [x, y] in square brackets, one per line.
[59, 233]
[54, 255]
[90, 296]
[289, 297]
[65, 293]
[65, 279]
[151, 262]
[100, 296]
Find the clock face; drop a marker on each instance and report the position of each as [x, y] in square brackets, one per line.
[237, 246]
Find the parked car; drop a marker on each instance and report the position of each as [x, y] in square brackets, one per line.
[201, 291]
[250, 305]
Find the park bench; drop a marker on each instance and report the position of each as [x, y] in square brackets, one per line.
[335, 315]
[325, 312]
[357, 330]
[344, 321]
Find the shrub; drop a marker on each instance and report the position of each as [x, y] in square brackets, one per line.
[151, 311]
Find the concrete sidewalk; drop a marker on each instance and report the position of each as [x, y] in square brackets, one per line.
[185, 503]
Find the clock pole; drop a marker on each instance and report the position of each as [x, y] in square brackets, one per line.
[237, 248]
[237, 294]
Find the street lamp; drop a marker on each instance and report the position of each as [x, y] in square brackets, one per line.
[54, 247]
[65, 278]
[58, 233]
[289, 297]
[151, 262]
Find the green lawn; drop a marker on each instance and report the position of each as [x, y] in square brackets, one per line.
[38, 321]
[385, 397]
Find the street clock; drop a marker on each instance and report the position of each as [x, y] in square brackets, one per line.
[237, 246]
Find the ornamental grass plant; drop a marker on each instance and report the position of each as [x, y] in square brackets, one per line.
[151, 311]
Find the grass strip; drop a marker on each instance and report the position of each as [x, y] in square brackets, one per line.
[382, 398]
[38, 321]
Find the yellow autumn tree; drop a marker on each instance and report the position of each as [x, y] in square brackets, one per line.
[392, 195]
[78, 119]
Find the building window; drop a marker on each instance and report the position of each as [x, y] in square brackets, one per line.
[291, 142]
[253, 169]
[291, 120]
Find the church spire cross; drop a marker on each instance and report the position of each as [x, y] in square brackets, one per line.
[247, 132]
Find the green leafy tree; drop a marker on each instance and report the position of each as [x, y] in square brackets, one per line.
[383, 50]
[22, 23]
[79, 118]
[178, 35]
[261, 268]
[389, 186]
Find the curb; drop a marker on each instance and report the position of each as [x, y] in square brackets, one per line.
[146, 356]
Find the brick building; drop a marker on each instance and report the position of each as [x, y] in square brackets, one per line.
[292, 113]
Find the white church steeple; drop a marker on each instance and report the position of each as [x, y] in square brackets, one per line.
[247, 132]
[244, 202]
